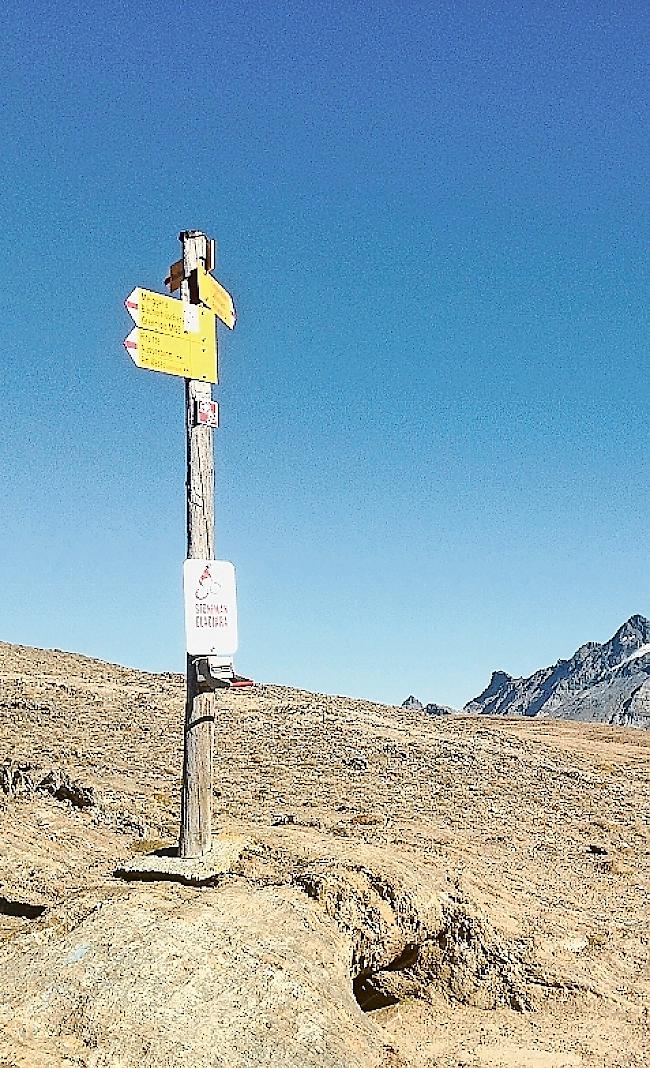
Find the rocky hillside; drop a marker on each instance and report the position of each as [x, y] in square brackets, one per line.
[387, 889]
[600, 683]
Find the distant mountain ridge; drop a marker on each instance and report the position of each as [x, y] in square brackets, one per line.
[431, 709]
[600, 683]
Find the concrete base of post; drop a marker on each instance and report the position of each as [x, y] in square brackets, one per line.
[165, 864]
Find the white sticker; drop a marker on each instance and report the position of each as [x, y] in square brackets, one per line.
[191, 317]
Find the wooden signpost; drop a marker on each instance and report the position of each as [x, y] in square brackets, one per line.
[196, 796]
[178, 337]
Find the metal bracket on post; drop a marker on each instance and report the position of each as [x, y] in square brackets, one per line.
[217, 673]
[212, 673]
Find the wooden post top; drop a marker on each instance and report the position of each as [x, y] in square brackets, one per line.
[197, 245]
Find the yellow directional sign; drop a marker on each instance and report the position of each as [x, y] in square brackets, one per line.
[165, 315]
[171, 336]
[189, 356]
[214, 296]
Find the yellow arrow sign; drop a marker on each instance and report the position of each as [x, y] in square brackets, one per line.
[155, 311]
[166, 315]
[214, 296]
[190, 355]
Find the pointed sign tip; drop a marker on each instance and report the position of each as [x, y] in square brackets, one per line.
[131, 344]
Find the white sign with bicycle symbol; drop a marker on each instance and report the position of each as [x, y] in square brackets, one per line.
[210, 607]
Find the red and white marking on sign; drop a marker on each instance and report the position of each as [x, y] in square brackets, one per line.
[132, 304]
[131, 342]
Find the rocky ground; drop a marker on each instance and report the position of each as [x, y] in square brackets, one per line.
[401, 891]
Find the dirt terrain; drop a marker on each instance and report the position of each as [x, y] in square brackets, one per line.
[402, 891]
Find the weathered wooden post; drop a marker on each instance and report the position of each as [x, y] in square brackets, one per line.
[196, 797]
[180, 338]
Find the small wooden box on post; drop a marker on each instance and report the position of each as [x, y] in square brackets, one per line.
[196, 798]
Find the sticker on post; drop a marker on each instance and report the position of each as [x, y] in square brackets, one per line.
[207, 413]
[210, 608]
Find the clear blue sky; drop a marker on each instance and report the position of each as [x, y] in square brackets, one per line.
[434, 219]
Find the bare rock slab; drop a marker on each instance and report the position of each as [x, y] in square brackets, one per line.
[161, 975]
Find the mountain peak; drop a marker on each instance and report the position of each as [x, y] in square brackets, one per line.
[608, 682]
[412, 702]
[500, 676]
[637, 626]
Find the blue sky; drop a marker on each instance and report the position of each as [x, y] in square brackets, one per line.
[434, 221]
